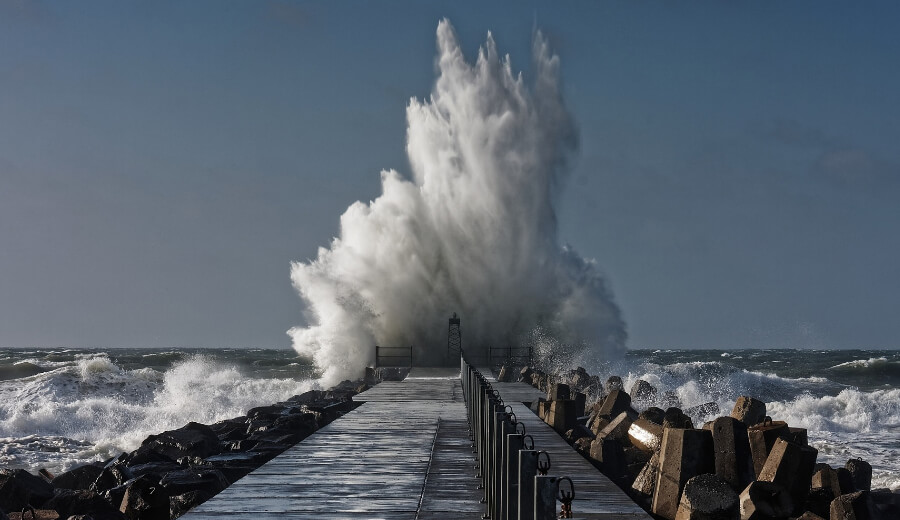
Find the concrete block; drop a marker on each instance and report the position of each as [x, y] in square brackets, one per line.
[561, 416]
[845, 480]
[645, 482]
[860, 474]
[748, 410]
[734, 463]
[765, 501]
[824, 476]
[853, 506]
[645, 435]
[617, 429]
[580, 402]
[607, 454]
[615, 403]
[642, 391]
[675, 418]
[544, 410]
[558, 391]
[525, 374]
[670, 399]
[809, 515]
[654, 415]
[762, 437]
[614, 383]
[684, 453]
[791, 466]
[598, 423]
[703, 411]
[798, 436]
[708, 497]
[818, 501]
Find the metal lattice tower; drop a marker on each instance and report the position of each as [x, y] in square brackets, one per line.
[454, 337]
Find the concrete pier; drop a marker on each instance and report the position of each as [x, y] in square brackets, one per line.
[405, 453]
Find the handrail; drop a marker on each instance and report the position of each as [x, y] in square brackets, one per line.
[379, 356]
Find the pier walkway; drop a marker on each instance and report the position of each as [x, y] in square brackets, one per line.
[403, 454]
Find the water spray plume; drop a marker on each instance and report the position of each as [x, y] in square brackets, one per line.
[474, 231]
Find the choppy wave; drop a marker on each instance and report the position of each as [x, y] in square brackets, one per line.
[92, 408]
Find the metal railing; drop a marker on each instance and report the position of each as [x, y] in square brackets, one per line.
[513, 474]
[386, 357]
[519, 356]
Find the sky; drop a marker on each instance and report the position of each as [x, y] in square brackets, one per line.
[162, 163]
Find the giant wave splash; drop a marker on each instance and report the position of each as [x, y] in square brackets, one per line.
[474, 230]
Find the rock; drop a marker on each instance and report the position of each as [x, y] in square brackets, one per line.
[617, 429]
[35, 514]
[809, 515]
[824, 476]
[615, 403]
[507, 374]
[193, 479]
[748, 410]
[654, 415]
[181, 504]
[791, 466]
[885, 504]
[68, 502]
[734, 463]
[562, 416]
[580, 379]
[558, 391]
[708, 497]
[525, 374]
[580, 403]
[115, 474]
[684, 453]
[765, 501]
[153, 468]
[19, 488]
[798, 436]
[860, 474]
[145, 499]
[642, 391]
[614, 383]
[78, 478]
[675, 418]
[670, 399]
[853, 506]
[192, 440]
[645, 435]
[762, 437]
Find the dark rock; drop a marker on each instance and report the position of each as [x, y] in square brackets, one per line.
[78, 478]
[675, 418]
[608, 456]
[748, 410]
[558, 391]
[704, 410]
[580, 379]
[113, 475]
[644, 484]
[670, 399]
[192, 440]
[708, 497]
[798, 436]
[182, 481]
[860, 473]
[153, 468]
[525, 374]
[19, 488]
[68, 502]
[809, 515]
[181, 504]
[145, 499]
[507, 374]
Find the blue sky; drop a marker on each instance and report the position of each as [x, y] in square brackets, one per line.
[162, 163]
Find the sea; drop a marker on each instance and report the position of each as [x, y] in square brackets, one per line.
[60, 408]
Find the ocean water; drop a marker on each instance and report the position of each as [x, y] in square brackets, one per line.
[62, 408]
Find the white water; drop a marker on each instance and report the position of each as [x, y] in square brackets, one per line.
[93, 409]
[474, 231]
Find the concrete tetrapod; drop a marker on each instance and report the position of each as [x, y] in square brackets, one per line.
[708, 497]
[764, 501]
[684, 453]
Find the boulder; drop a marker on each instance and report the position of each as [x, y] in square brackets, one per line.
[654, 415]
[708, 497]
[684, 453]
[818, 501]
[642, 391]
[193, 479]
[68, 502]
[78, 478]
[19, 488]
[115, 474]
[645, 482]
[748, 410]
[145, 499]
[192, 440]
[608, 456]
[181, 504]
[765, 501]
[703, 411]
[614, 383]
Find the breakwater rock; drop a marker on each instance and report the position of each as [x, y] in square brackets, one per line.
[175, 470]
[740, 466]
